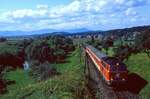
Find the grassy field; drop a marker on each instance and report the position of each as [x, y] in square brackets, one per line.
[68, 85]
[21, 79]
[140, 64]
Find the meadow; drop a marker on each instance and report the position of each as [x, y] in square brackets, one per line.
[69, 84]
[140, 64]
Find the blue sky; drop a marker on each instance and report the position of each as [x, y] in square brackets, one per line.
[28, 15]
[23, 4]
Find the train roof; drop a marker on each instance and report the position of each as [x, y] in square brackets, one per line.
[98, 53]
[112, 61]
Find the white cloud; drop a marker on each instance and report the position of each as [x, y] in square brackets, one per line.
[130, 12]
[120, 1]
[26, 13]
[79, 13]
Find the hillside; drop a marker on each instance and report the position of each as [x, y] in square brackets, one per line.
[127, 31]
[41, 32]
[68, 85]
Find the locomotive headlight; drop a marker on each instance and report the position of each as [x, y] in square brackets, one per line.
[117, 64]
[123, 79]
[112, 79]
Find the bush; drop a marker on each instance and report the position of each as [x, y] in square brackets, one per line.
[7, 59]
[3, 39]
[52, 50]
[42, 71]
[39, 50]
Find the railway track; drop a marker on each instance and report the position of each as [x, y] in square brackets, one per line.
[126, 95]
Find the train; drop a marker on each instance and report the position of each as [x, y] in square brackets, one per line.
[112, 70]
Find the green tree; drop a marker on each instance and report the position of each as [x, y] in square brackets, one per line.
[142, 42]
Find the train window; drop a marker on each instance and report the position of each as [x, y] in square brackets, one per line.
[103, 64]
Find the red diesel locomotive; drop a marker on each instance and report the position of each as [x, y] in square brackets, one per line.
[112, 70]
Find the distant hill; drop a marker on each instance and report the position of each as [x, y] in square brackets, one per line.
[43, 31]
[24, 33]
[127, 31]
[79, 31]
[117, 32]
